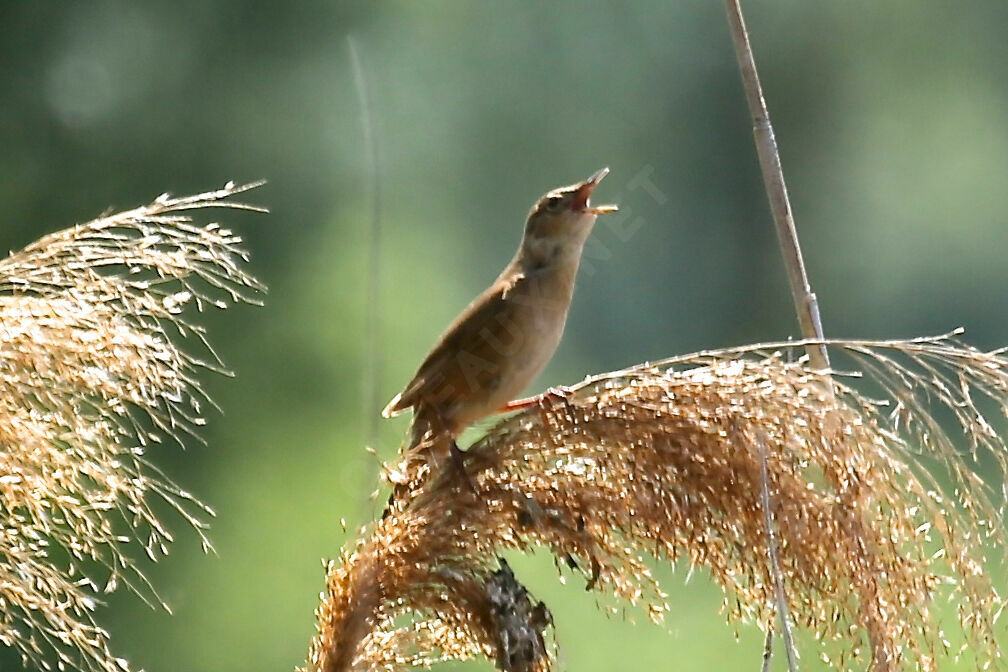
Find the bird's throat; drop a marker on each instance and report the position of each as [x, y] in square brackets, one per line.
[541, 255]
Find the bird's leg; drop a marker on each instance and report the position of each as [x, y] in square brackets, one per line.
[456, 456]
[458, 459]
[444, 433]
[546, 401]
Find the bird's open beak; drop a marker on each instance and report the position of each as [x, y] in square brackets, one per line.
[584, 192]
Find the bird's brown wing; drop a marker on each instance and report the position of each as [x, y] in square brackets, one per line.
[455, 359]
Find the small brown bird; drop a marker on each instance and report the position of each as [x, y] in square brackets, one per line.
[506, 336]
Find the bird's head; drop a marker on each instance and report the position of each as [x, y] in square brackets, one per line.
[560, 221]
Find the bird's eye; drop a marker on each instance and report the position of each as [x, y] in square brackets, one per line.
[553, 202]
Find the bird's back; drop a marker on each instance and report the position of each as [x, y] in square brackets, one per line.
[493, 349]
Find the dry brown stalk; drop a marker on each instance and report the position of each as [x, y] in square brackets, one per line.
[665, 460]
[805, 301]
[92, 375]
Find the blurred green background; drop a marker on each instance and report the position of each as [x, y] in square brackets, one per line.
[893, 123]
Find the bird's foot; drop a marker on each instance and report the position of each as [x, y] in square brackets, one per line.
[406, 487]
[458, 460]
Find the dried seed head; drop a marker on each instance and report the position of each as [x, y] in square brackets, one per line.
[666, 460]
[92, 374]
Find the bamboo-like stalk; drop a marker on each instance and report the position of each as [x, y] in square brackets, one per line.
[806, 304]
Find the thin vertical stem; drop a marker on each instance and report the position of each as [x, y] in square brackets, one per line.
[371, 371]
[372, 327]
[782, 608]
[806, 305]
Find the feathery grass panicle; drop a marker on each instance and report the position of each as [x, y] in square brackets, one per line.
[668, 460]
[92, 373]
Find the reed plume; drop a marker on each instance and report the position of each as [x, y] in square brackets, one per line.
[94, 371]
[874, 487]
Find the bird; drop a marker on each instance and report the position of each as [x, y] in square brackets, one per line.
[505, 337]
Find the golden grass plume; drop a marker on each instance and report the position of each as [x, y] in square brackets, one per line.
[875, 487]
[93, 373]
